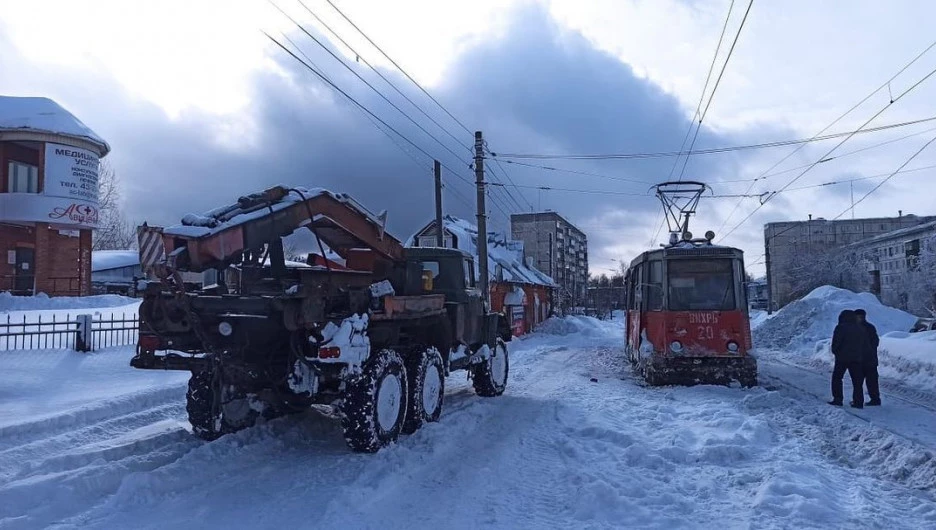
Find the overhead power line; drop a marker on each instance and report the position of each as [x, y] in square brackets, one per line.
[896, 171]
[601, 192]
[708, 77]
[577, 172]
[400, 68]
[361, 106]
[814, 164]
[366, 82]
[885, 84]
[382, 76]
[831, 158]
[715, 88]
[375, 121]
[713, 150]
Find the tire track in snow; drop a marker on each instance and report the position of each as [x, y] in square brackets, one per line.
[51, 467]
[19, 434]
[913, 396]
[867, 445]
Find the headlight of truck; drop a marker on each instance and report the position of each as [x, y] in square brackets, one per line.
[225, 329]
[675, 346]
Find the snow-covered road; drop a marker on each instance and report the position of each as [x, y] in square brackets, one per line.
[557, 450]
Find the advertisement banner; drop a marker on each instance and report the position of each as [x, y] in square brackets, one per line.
[71, 173]
[57, 211]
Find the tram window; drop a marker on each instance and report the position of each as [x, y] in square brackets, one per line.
[655, 287]
[701, 285]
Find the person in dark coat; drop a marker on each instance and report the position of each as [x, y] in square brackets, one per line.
[870, 365]
[849, 346]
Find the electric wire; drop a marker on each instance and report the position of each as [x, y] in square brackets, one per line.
[814, 164]
[708, 78]
[715, 88]
[714, 150]
[400, 68]
[884, 85]
[361, 78]
[874, 189]
[312, 66]
[382, 76]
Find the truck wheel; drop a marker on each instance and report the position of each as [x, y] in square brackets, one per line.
[209, 419]
[490, 375]
[200, 405]
[375, 404]
[426, 382]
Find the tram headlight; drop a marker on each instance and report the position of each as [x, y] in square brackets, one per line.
[675, 346]
[225, 329]
[733, 346]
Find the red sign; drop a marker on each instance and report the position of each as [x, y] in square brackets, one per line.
[84, 214]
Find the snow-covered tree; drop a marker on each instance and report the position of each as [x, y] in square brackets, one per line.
[114, 232]
[917, 286]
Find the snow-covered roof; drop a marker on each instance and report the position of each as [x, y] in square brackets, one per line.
[504, 254]
[893, 234]
[103, 260]
[225, 217]
[45, 116]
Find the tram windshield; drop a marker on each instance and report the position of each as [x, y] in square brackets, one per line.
[701, 285]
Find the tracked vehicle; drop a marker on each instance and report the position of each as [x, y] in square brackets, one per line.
[687, 315]
[373, 337]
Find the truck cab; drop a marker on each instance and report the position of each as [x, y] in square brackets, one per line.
[451, 273]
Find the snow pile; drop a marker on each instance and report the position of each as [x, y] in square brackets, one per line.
[810, 320]
[102, 260]
[801, 332]
[577, 325]
[41, 301]
[910, 357]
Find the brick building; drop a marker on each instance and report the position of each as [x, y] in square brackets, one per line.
[518, 290]
[48, 197]
[556, 247]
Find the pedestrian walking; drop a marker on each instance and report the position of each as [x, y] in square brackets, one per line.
[870, 364]
[849, 346]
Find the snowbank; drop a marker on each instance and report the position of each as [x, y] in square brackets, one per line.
[802, 324]
[578, 325]
[43, 302]
[910, 357]
[102, 260]
[801, 333]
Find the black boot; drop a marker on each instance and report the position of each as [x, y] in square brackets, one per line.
[835, 403]
[856, 405]
[873, 403]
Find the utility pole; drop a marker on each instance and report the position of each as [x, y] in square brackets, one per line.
[769, 276]
[482, 217]
[853, 198]
[440, 231]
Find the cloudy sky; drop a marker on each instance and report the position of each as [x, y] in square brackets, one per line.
[200, 107]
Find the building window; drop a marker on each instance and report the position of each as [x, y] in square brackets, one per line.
[22, 178]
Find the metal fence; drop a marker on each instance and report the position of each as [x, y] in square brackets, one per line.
[74, 332]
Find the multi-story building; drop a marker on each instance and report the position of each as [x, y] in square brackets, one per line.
[556, 247]
[900, 266]
[793, 249]
[48, 197]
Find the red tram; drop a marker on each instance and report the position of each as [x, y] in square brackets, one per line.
[687, 313]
